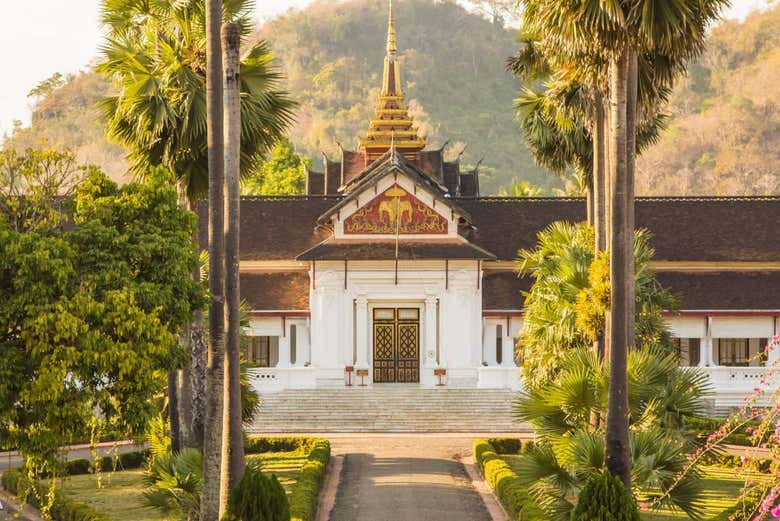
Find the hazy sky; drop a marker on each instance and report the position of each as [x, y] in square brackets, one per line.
[42, 37]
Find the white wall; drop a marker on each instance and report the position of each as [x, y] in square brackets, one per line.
[371, 284]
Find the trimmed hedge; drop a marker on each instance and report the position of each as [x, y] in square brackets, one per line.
[703, 427]
[123, 461]
[62, 508]
[258, 445]
[303, 497]
[503, 479]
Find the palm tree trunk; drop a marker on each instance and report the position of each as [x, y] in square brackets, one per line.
[214, 492]
[233, 463]
[198, 363]
[599, 191]
[617, 442]
[173, 411]
[632, 82]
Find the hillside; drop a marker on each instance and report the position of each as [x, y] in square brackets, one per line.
[723, 136]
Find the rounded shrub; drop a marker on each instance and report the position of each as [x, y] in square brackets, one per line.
[257, 497]
[605, 498]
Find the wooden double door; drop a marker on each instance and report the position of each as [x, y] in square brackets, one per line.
[396, 345]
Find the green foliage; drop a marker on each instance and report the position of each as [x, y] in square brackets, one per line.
[303, 500]
[257, 497]
[661, 396]
[56, 505]
[174, 483]
[508, 487]
[155, 55]
[282, 173]
[89, 314]
[566, 305]
[506, 445]
[605, 498]
[518, 188]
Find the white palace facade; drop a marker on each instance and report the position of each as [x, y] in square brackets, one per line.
[393, 270]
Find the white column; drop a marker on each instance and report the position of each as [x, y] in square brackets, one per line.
[302, 345]
[508, 352]
[489, 343]
[284, 347]
[430, 332]
[361, 329]
[707, 359]
[774, 353]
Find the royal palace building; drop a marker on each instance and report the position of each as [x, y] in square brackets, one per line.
[392, 269]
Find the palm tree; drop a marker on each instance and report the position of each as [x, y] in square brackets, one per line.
[233, 437]
[593, 33]
[215, 487]
[156, 53]
[661, 397]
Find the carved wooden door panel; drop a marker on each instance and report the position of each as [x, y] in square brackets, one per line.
[384, 345]
[396, 345]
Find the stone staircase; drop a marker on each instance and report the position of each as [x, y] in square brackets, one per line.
[388, 408]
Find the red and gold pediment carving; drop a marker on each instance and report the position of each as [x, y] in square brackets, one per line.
[395, 211]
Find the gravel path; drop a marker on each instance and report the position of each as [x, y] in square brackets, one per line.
[405, 478]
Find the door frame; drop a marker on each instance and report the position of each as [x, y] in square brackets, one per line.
[395, 304]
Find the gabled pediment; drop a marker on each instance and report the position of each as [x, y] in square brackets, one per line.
[395, 211]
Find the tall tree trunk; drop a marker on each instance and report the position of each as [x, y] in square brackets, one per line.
[617, 441]
[233, 464]
[173, 411]
[632, 84]
[214, 492]
[198, 364]
[599, 191]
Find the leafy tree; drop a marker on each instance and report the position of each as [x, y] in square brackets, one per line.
[89, 313]
[282, 173]
[568, 300]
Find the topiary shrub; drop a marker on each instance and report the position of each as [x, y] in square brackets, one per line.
[604, 498]
[506, 445]
[257, 497]
[504, 481]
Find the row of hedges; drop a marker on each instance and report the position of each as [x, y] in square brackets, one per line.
[724, 459]
[703, 427]
[61, 509]
[258, 445]
[123, 461]
[303, 498]
[501, 477]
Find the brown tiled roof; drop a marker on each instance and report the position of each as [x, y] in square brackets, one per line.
[353, 163]
[274, 228]
[725, 290]
[332, 177]
[432, 163]
[332, 249]
[684, 229]
[315, 182]
[452, 176]
[277, 291]
[501, 290]
[468, 184]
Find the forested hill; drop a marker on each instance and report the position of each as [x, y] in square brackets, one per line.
[723, 136]
[452, 67]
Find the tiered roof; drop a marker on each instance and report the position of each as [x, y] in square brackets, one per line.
[392, 124]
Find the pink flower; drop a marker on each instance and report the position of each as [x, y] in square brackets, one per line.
[776, 512]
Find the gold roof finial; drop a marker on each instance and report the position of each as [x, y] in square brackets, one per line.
[391, 47]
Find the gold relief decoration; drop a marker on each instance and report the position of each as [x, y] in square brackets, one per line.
[395, 211]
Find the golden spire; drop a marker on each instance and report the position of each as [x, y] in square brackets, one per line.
[391, 47]
[392, 126]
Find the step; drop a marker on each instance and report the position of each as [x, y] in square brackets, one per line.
[389, 408]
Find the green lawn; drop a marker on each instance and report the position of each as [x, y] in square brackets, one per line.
[721, 490]
[120, 494]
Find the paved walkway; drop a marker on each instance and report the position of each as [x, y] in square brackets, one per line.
[406, 478]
